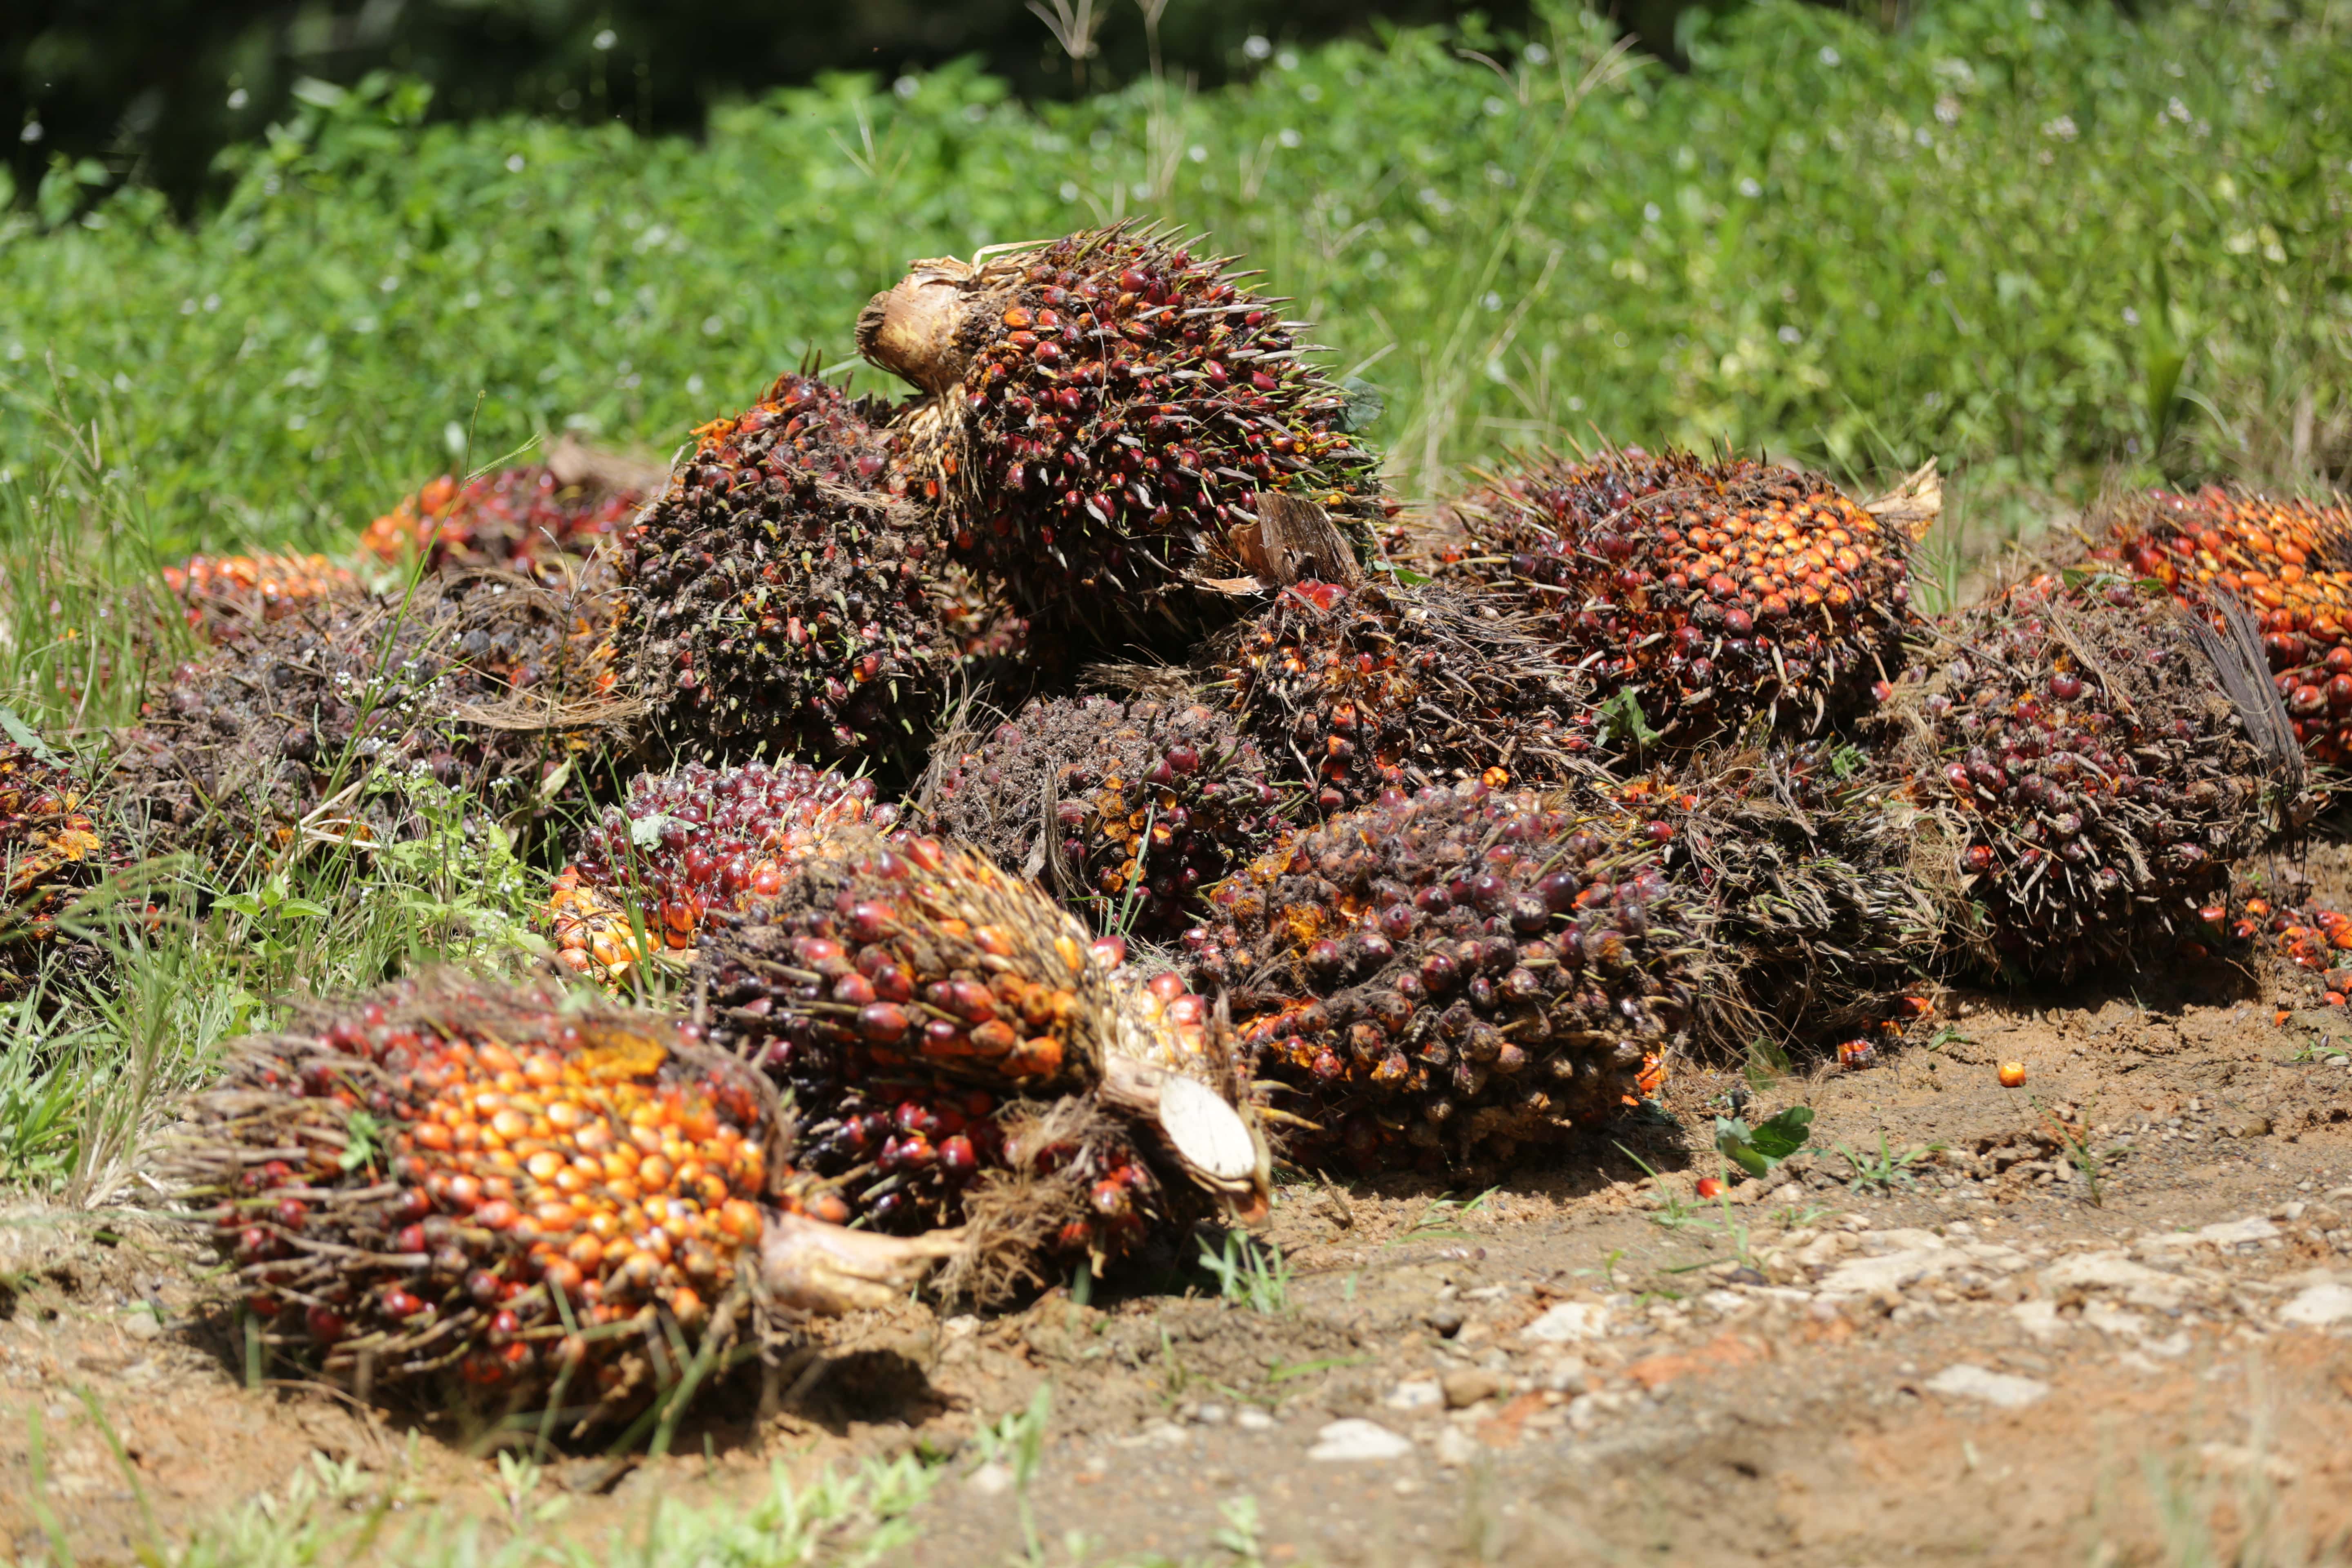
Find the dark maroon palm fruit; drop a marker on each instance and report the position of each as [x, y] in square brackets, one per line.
[1355, 694]
[781, 598]
[1714, 594]
[1439, 981]
[2087, 778]
[1103, 413]
[1129, 810]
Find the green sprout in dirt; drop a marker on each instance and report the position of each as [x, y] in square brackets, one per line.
[1249, 1271]
[1887, 1170]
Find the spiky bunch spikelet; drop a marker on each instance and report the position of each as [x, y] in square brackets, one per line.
[2289, 563]
[1105, 413]
[1712, 592]
[526, 519]
[51, 847]
[499, 1188]
[782, 597]
[1441, 980]
[690, 841]
[222, 594]
[293, 729]
[1351, 693]
[2089, 770]
[1138, 805]
[1820, 926]
[887, 974]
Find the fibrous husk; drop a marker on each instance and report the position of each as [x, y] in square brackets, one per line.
[1823, 923]
[1129, 808]
[1120, 430]
[1353, 694]
[784, 598]
[2080, 764]
[1437, 982]
[1713, 593]
[305, 730]
[508, 1194]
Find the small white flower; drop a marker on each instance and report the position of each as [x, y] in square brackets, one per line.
[1256, 48]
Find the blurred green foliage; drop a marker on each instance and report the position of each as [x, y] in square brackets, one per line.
[2022, 236]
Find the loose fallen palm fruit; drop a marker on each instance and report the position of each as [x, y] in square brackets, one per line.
[528, 519]
[1134, 806]
[1816, 916]
[497, 1187]
[1354, 693]
[2012, 1075]
[2078, 757]
[1104, 414]
[224, 594]
[688, 842]
[915, 973]
[1441, 980]
[305, 728]
[2315, 938]
[51, 847]
[2290, 562]
[783, 597]
[1712, 593]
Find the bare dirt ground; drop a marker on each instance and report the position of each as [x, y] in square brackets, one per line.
[2105, 1318]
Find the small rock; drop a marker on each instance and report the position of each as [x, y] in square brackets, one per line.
[1891, 1271]
[1454, 1448]
[1353, 1439]
[1211, 1414]
[989, 1479]
[2238, 1232]
[2246, 1125]
[2038, 1318]
[1252, 1419]
[1446, 1319]
[1469, 1386]
[1165, 1435]
[2319, 1306]
[1416, 1393]
[142, 1324]
[1567, 1375]
[1569, 1321]
[2009, 1392]
[2140, 1285]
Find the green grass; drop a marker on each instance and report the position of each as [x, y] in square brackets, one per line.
[2027, 236]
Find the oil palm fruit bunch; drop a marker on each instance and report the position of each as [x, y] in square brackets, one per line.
[305, 728]
[220, 595]
[1437, 981]
[1057, 1103]
[1712, 593]
[526, 519]
[52, 846]
[1801, 855]
[1103, 415]
[494, 1187]
[689, 841]
[782, 596]
[1353, 693]
[2288, 562]
[2089, 760]
[1134, 806]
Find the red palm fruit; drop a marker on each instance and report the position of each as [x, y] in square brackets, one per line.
[2288, 562]
[1104, 414]
[1352, 694]
[581, 1170]
[783, 596]
[224, 594]
[1710, 591]
[280, 734]
[51, 847]
[912, 970]
[2087, 770]
[1131, 809]
[1438, 980]
[530, 519]
[691, 841]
